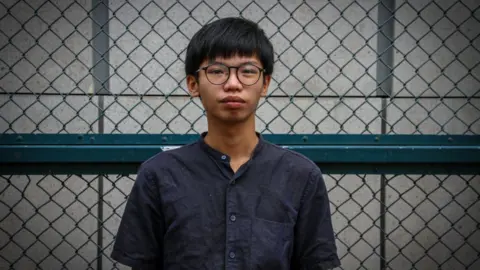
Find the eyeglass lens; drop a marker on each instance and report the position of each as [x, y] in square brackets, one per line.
[247, 74]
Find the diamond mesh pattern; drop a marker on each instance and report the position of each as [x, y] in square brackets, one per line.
[62, 70]
[432, 222]
[327, 60]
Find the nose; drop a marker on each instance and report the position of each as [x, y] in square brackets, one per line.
[232, 83]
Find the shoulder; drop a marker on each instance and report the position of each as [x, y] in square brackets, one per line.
[291, 159]
[302, 171]
[170, 158]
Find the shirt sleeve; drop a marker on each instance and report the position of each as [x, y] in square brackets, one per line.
[139, 240]
[315, 246]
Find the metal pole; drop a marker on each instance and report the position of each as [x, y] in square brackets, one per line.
[385, 41]
[385, 37]
[100, 73]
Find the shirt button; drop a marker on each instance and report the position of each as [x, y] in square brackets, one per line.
[232, 255]
[224, 157]
[233, 218]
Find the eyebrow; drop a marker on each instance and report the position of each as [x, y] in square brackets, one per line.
[242, 63]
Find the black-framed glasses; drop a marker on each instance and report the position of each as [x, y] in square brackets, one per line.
[218, 73]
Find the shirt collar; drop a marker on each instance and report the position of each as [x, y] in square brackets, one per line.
[217, 155]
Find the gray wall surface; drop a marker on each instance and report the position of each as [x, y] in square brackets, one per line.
[324, 82]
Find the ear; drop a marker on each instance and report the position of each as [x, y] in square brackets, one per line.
[192, 85]
[266, 83]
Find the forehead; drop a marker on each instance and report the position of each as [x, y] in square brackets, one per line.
[234, 60]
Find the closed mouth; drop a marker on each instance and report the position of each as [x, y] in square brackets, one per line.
[232, 99]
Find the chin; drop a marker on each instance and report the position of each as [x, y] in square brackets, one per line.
[234, 117]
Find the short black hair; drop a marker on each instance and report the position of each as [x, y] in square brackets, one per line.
[228, 37]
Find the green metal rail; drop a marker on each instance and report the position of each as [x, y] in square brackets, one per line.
[122, 153]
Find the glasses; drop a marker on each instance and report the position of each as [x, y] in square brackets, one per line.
[218, 73]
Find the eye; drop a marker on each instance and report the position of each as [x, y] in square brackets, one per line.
[216, 71]
[249, 70]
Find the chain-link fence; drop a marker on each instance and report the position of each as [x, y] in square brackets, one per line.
[51, 222]
[55, 55]
[355, 67]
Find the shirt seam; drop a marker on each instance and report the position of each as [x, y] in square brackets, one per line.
[306, 189]
[154, 190]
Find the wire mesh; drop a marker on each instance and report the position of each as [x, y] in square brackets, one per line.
[50, 222]
[68, 65]
[93, 66]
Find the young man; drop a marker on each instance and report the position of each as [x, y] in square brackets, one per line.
[231, 200]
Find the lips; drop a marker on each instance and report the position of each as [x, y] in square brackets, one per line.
[233, 102]
[232, 99]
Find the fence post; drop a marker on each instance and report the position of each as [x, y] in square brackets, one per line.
[385, 43]
[100, 73]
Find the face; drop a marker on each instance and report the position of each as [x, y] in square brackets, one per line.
[230, 95]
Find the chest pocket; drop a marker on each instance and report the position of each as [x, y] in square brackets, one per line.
[271, 244]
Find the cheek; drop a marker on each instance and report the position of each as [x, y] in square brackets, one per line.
[207, 95]
[256, 93]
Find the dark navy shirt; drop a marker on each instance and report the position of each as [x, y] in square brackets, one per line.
[189, 210]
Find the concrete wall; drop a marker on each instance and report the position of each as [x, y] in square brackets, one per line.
[51, 55]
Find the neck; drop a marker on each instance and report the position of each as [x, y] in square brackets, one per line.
[236, 140]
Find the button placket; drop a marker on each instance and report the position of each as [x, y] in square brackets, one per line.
[231, 230]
